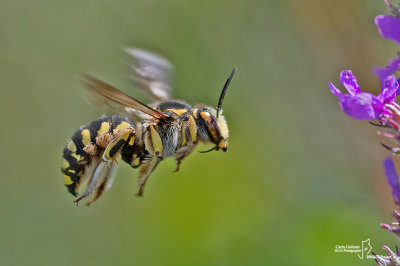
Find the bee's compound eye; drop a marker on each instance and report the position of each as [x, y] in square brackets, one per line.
[205, 115]
[212, 126]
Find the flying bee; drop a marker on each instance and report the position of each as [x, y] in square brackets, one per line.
[141, 135]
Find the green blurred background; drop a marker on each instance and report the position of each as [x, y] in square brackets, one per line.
[300, 177]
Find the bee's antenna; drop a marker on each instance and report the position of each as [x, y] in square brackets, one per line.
[221, 97]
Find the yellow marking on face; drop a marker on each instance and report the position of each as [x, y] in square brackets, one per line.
[192, 128]
[223, 127]
[64, 164]
[71, 171]
[122, 125]
[71, 146]
[177, 111]
[195, 113]
[131, 141]
[85, 136]
[156, 140]
[104, 128]
[67, 180]
[222, 144]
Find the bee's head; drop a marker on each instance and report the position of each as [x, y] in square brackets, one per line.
[211, 124]
[211, 128]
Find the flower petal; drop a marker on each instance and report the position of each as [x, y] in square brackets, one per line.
[389, 69]
[335, 90]
[388, 27]
[398, 91]
[349, 81]
[392, 177]
[363, 106]
[389, 90]
[393, 259]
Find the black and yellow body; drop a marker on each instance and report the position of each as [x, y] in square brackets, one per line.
[82, 153]
[141, 135]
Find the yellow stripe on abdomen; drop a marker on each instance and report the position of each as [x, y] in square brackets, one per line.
[73, 149]
[67, 180]
[85, 137]
[104, 128]
[122, 125]
[64, 164]
[71, 146]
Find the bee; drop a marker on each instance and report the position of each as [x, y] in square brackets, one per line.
[141, 135]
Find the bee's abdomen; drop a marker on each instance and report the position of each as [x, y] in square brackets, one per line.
[73, 162]
[76, 160]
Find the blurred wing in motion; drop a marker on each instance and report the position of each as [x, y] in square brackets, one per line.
[101, 94]
[151, 73]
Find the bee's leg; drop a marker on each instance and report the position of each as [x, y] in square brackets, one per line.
[145, 171]
[111, 177]
[189, 141]
[153, 144]
[92, 149]
[107, 182]
[93, 181]
[182, 153]
[152, 141]
[146, 158]
[116, 144]
[178, 165]
[88, 173]
[99, 192]
[108, 164]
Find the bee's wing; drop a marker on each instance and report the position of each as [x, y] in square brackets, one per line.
[101, 94]
[151, 73]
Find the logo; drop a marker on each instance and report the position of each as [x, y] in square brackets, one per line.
[363, 251]
[365, 248]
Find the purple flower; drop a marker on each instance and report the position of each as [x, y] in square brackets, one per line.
[393, 258]
[389, 69]
[388, 27]
[364, 105]
[394, 227]
[392, 178]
